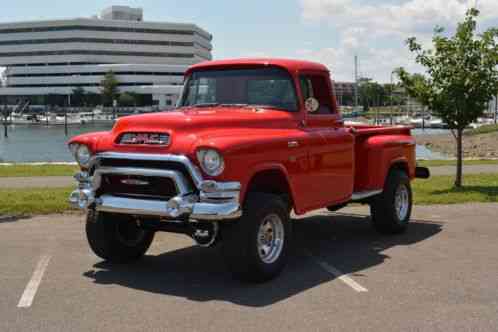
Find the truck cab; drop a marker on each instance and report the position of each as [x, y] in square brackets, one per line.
[250, 141]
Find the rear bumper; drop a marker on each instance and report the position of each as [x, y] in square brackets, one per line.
[206, 200]
[422, 172]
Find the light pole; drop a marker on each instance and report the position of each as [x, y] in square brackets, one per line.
[391, 98]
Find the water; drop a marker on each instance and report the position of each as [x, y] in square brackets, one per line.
[27, 143]
[37, 143]
[422, 151]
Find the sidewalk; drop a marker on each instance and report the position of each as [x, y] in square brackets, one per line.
[68, 181]
[469, 169]
[37, 182]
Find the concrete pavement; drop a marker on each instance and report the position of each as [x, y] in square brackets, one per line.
[37, 182]
[467, 169]
[439, 276]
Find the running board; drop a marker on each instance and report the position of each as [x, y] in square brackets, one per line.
[361, 195]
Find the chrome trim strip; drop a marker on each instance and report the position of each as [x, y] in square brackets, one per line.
[216, 211]
[210, 186]
[358, 196]
[191, 168]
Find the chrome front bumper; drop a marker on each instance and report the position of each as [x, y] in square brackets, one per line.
[207, 200]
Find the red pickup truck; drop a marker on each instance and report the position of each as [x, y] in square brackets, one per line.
[250, 141]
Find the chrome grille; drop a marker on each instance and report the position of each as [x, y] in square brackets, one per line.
[138, 186]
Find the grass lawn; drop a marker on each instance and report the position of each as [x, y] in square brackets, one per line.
[37, 170]
[34, 201]
[440, 190]
[437, 190]
[434, 163]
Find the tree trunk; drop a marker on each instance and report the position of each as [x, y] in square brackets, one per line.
[458, 180]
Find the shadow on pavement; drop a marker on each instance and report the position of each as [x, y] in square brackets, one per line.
[347, 242]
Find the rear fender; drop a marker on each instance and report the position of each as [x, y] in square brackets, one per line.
[378, 155]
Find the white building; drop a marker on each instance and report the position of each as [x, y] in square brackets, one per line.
[55, 57]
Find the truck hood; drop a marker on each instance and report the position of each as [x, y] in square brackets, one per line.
[190, 127]
[195, 119]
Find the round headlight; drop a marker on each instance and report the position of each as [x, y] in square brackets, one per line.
[211, 161]
[83, 155]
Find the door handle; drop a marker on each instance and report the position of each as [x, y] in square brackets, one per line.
[293, 144]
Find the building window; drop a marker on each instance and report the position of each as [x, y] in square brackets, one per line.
[96, 52]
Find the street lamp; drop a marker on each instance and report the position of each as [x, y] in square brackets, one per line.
[391, 98]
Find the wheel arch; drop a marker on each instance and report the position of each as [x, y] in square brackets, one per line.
[271, 179]
[400, 164]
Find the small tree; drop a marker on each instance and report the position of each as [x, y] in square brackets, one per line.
[78, 97]
[109, 88]
[127, 99]
[462, 76]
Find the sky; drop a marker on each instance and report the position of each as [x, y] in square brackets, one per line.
[328, 31]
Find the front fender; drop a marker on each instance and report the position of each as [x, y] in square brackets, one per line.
[90, 139]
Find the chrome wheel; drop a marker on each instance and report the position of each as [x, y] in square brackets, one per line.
[402, 202]
[271, 236]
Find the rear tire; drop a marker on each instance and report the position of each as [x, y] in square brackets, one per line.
[116, 238]
[392, 209]
[256, 246]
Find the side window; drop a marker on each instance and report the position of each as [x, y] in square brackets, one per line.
[306, 87]
[316, 86]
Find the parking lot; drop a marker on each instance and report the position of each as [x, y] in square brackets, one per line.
[441, 275]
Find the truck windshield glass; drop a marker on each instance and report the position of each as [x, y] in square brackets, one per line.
[270, 87]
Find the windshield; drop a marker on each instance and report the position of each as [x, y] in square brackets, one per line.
[266, 86]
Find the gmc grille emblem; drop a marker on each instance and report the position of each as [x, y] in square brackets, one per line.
[134, 182]
[145, 138]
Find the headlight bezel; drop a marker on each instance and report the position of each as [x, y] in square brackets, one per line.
[211, 170]
[81, 156]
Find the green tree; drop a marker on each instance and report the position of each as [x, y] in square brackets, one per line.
[127, 99]
[78, 97]
[462, 76]
[371, 94]
[109, 88]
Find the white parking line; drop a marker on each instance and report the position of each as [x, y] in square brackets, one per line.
[338, 274]
[32, 286]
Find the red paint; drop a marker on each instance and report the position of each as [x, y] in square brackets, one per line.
[329, 163]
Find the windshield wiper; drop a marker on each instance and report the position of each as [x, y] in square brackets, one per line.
[270, 106]
[234, 105]
[206, 105]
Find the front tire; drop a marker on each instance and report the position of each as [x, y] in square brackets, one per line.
[392, 209]
[256, 246]
[116, 238]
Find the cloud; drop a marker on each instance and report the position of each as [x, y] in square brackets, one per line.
[376, 30]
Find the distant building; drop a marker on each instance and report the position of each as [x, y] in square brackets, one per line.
[45, 58]
[344, 92]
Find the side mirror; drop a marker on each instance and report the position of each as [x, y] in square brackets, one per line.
[312, 105]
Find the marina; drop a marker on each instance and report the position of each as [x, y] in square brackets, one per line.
[41, 143]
